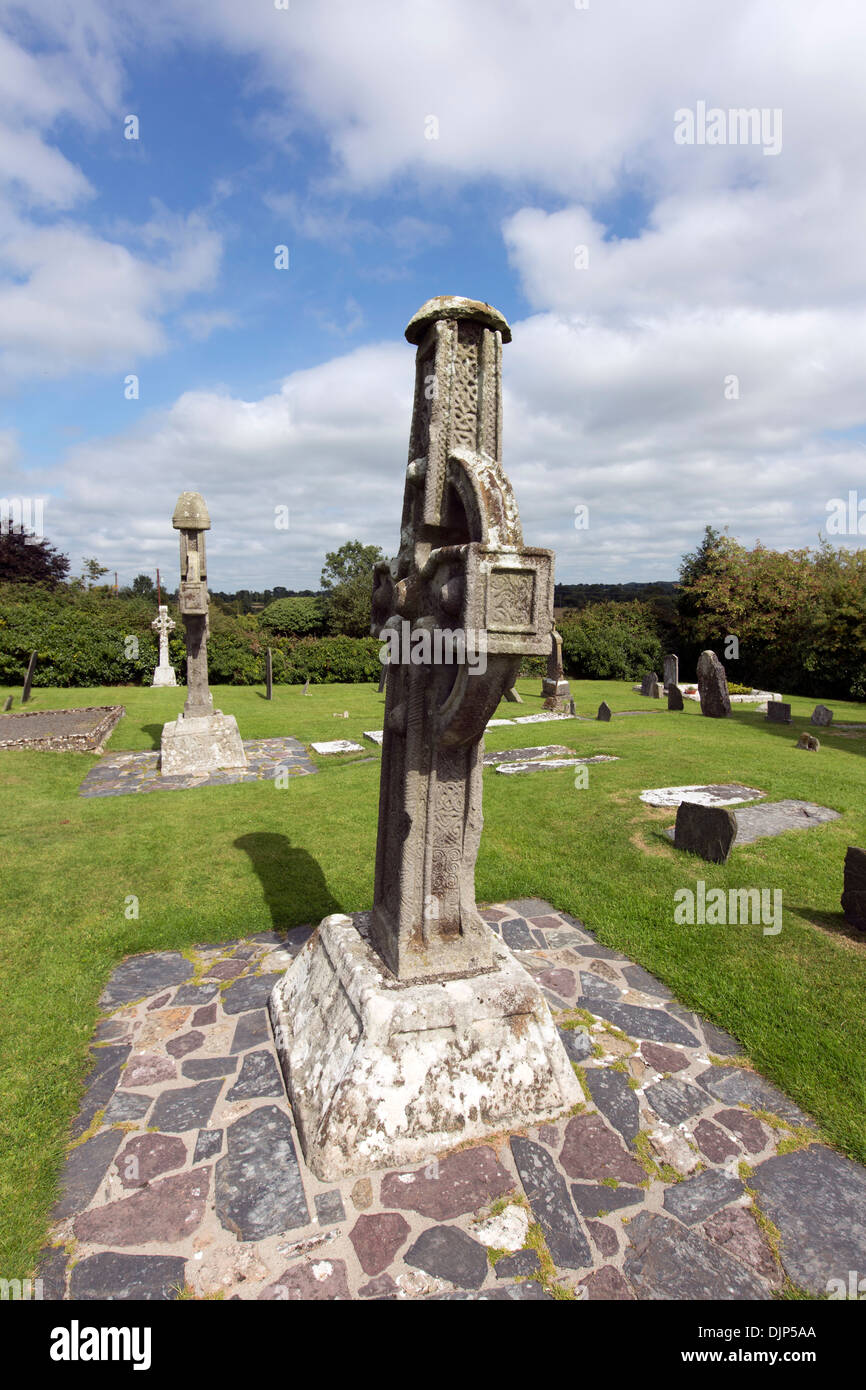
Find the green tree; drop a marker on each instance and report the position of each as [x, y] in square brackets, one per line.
[143, 586]
[347, 583]
[24, 560]
[297, 616]
[93, 572]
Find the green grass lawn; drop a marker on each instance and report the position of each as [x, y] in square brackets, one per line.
[221, 862]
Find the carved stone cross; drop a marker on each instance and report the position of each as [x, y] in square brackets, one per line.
[191, 519]
[462, 573]
[163, 625]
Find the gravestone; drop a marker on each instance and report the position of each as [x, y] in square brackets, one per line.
[513, 697]
[713, 686]
[675, 697]
[28, 679]
[649, 680]
[162, 625]
[854, 888]
[7, 703]
[672, 670]
[604, 712]
[822, 716]
[657, 690]
[421, 1030]
[709, 831]
[383, 676]
[307, 686]
[555, 686]
[808, 741]
[778, 712]
[269, 674]
[201, 739]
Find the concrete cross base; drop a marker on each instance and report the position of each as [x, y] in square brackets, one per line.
[381, 1073]
[164, 675]
[203, 743]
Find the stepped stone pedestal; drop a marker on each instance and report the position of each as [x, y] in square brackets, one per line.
[384, 1073]
[201, 743]
[422, 1030]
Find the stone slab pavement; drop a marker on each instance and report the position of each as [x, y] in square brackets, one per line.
[121, 774]
[184, 1170]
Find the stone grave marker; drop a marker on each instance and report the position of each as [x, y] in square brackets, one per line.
[28, 679]
[713, 686]
[355, 1011]
[671, 669]
[778, 712]
[554, 685]
[513, 697]
[162, 625]
[822, 716]
[604, 712]
[709, 831]
[649, 680]
[854, 888]
[675, 697]
[7, 703]
[269, 674]
[808, 741]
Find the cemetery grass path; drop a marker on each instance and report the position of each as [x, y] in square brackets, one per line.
[796, 1001]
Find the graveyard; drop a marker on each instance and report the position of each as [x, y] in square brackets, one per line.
[95, 880]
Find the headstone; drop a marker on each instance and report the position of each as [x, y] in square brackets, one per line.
[201, 739]
[604, 712]
[672, 669]
[713, 686]
[709, 831]
[7, 703]
[657, 690]
[572, 708]
[822, 716]
[778, 712]
[28, 679]
[269, 674]
[162, 625]
[854, 888]
[555, 686]
[808, 741]
[675, 697]
[647, 682]
[513, 697]
[466, 1019]
[383, 676]
[307, 687]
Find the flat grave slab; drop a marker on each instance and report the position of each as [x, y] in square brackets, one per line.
[708, 794]
[337, 745]
[60, 730]
[517, 755]
[222, 1201]
[775, 818]
[121, 774]
[540, 764]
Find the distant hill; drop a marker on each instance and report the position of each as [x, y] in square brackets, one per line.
[579, 595]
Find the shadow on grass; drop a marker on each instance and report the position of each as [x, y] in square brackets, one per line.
[294, 886]
[832, 922]
[155, 731]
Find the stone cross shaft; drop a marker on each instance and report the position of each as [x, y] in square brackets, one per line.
[462, 573]
[191, 519]
[163, 625]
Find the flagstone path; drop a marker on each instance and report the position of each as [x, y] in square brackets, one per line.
[685, 1175]
[120, 774]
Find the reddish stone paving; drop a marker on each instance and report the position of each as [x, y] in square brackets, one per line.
[186, 1168]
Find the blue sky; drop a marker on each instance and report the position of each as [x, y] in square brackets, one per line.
[308, 127]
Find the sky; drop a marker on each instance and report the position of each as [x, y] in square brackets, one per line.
[685, 289]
